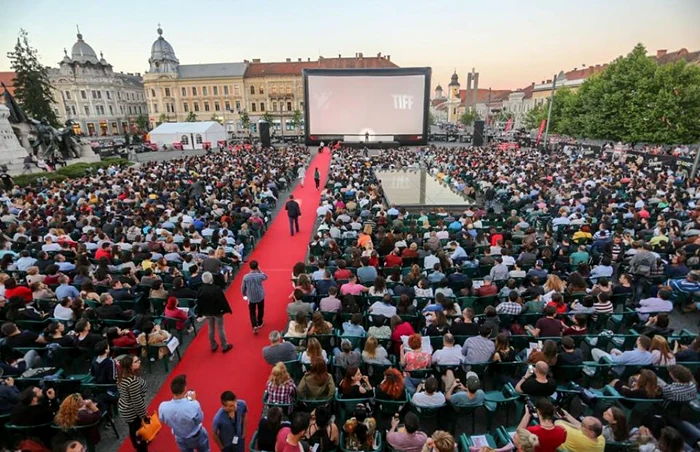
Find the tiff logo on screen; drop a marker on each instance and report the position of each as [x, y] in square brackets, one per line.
[402, 101]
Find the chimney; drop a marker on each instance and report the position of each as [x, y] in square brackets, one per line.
[379, 55]
[340, 56]
[138, 74]
[320, 58]
[549, 80]
[542, 82]
[388, 57]
[256, 60]
[360, 54]
[299, 60]
[308, 59]
[289, 60]
[575, 69]
[660, 53]
[246, 61]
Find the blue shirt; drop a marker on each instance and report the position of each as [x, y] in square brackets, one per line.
[66, 291]
[226, 428]
[183, 416]
[631, 357]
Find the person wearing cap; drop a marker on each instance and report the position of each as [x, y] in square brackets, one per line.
[538, 271]
[465, 396]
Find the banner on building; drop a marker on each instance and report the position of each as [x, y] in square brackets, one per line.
[509, 124]
[539, 134]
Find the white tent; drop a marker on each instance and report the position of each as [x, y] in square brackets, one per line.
[192, 135]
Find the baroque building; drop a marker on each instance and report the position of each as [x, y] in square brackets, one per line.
[102, 103]
[222, 91]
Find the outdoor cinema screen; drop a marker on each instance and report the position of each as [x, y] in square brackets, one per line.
[367, 104]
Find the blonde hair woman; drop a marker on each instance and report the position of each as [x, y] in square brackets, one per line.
[280, 387]
[661, 353]
[374, 353]
[553, 285]
[299, 326]
[313, 350]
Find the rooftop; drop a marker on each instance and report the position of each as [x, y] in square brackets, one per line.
[211, 70]
[259, 69]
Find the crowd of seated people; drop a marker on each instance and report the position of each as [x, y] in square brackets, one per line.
[111, 264]
[559, 291]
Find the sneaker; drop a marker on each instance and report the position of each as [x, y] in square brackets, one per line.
[215, 347]
[261, 325]
[226, 348]
[255, 330]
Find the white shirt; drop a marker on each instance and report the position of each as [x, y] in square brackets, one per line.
[430, 261]
[448, 356]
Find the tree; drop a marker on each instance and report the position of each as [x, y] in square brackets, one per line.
[191, 117]
[245, 120]
[163, 118]
[468, 117]
[142, 122]
[534, 117]
[267, 116]
[31, 82]
[127, 139]
[431, 119]
[297, 119]
[217, 118]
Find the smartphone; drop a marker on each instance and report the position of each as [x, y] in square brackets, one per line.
[531, 368]
[190, 393]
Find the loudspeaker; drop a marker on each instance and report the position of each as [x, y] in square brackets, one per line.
[264, 128]
[478, 139]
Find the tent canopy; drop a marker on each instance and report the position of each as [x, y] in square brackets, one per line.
[188, 127]
[192, 135]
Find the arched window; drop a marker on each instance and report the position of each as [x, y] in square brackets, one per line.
[252, 90]
[198, 139]
[185, 139]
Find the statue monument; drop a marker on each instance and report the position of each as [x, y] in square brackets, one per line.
[21, 136]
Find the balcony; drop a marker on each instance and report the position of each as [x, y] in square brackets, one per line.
[281, 96]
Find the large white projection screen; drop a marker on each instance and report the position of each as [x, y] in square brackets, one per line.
[356, 105]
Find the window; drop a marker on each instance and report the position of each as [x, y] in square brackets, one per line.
[153, 93]
[94, 94]
[252, 89]
[185, 107]
[274, 106]
[185, 140]
[121, 109]
[262, 91]
[227, 106]
[253, 107]
[119, 95]
[254, 128]
[99, 94]
[273, 90]
[289, 90]
[216, 90]
[72, 107]
[68, 109]
[226, 90]
[130, 109]
[184, 91]
[262, 106]
[235, 90]
[194, 91]
[204, 91]
[111, 110]
[109, 95]
[67, 95]
[301, 105]
[155, 108]
[288, 126]
[196, 106]
[133, 97]
[167, 92]
[217, 107]
[289, 106]
[83, 95]
[87, 110]
[198, 139]
[206, 106]
[238, 105]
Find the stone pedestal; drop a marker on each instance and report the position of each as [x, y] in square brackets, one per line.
[11, 151]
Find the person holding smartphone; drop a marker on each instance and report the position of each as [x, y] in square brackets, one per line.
[551, 436]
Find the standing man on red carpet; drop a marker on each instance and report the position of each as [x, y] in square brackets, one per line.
[254, 294]
[317, 178]
[293, 212]
[212, 304]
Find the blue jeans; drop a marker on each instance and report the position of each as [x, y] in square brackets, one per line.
[198, 442]
[411, 384]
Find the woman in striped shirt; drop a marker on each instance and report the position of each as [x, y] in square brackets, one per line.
[132, 398]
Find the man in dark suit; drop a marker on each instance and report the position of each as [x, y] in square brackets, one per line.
[293, 212]
[212, 304]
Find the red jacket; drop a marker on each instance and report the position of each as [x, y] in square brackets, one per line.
[393, 260]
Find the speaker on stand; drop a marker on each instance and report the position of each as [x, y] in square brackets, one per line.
[478, 139]
[264, 128]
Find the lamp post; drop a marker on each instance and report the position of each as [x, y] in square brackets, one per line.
[549, 113]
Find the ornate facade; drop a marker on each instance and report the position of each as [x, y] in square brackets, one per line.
[222, 91]
[101, 102]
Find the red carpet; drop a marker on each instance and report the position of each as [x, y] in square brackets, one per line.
[243, 370]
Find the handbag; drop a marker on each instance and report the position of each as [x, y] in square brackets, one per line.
[149, 428]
